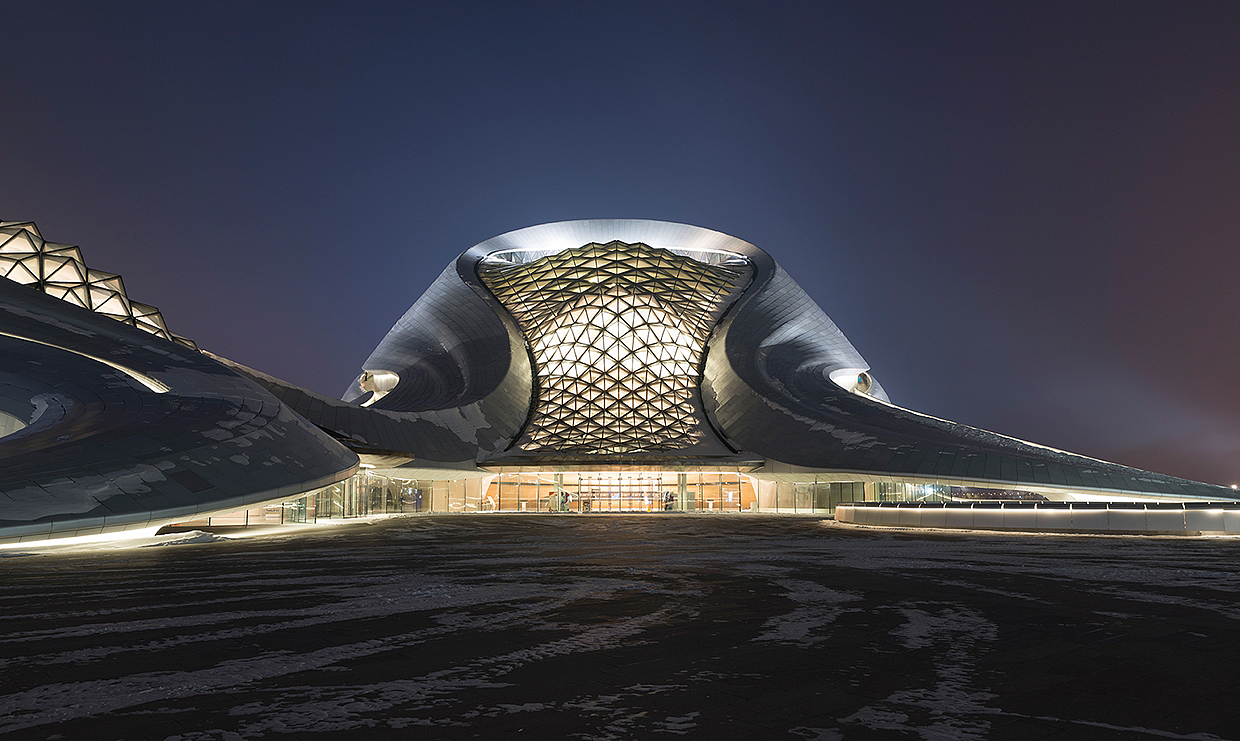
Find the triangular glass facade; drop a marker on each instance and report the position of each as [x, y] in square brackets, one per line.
[59, 271]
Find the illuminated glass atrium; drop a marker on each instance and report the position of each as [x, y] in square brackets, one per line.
[616, 333]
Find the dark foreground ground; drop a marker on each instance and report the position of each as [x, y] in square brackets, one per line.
[609, 627]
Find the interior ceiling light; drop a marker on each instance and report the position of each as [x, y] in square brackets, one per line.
[616, 332]
[58, 270]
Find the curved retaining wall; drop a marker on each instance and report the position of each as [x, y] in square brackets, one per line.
[1181, 518]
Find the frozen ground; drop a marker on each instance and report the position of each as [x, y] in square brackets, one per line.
[618, 627]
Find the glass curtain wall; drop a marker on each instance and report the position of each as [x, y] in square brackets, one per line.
[613, 491]
[900, 492]
[362, 495]
[367, 494]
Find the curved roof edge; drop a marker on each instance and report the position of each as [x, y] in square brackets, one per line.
[563, 235]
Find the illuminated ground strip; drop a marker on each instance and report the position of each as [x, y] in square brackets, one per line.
[617, 333]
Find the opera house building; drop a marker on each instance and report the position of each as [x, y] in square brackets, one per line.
[584, 366]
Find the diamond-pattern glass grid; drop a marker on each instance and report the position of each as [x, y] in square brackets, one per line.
[617, 333]
[59, 271]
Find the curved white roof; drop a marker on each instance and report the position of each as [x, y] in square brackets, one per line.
[563, 235]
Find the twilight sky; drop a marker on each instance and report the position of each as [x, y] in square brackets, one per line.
[1026, 218]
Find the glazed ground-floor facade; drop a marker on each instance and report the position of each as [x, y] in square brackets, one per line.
[371, 492]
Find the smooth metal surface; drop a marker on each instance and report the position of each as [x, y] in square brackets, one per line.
[103, 451]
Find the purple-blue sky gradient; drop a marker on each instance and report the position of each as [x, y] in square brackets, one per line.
[1026, 218]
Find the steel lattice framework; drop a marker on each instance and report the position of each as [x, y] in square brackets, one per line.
[59, 271]
[616, 332]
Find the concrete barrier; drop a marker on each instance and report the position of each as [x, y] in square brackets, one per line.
[1126, 516]
[908, 516]
[988, 515]
[1231, 520]
[933, 516]
[1165, 517]
[959, 515]
[1062, 517]
[1090, 517]
[1055, 518]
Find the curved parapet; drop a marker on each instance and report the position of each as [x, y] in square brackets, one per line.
[126, 430]
[433, 438]
[448, 350]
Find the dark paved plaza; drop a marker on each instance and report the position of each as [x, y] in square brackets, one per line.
[618, 627]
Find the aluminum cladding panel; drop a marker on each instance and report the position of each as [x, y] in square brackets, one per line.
[449, 349]
[461, 363]
[126, 428]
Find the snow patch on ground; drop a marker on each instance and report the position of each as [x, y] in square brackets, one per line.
[187, 538]
[954, 707]
[819, 607]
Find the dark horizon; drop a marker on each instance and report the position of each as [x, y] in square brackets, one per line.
[1023, 217]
